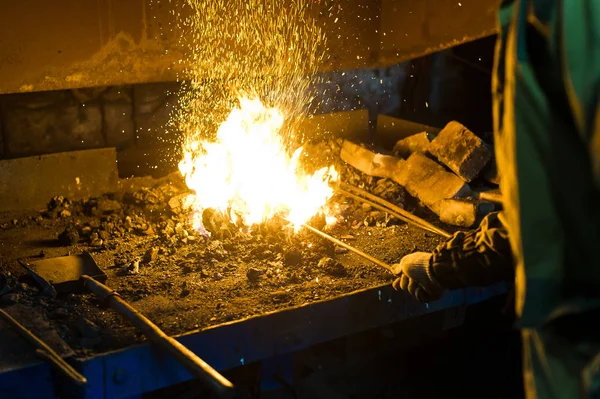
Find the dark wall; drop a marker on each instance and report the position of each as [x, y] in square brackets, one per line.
[133, 119]
[453, 84]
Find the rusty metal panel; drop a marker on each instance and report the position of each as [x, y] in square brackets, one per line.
[413, 28]
[65, 44]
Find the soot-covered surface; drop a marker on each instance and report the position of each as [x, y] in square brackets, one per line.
[184, 281]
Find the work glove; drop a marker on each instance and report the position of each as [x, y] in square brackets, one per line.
[415, 275]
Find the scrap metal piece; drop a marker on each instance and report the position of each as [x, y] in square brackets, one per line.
[46, 288]
[64, 272]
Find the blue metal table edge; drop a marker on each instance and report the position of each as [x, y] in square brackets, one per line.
[142, 368]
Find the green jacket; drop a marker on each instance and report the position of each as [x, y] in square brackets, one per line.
[547, 135]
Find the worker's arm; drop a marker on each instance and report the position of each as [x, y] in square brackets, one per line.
[469, 258]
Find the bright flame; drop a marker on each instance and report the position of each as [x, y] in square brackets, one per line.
[248, 172]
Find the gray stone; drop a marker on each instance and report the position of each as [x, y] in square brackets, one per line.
[254, 275]
[151, 255]
[369, 162]
[464, 212]
[415, 143]
[29, 183]
[133, 267]
[460, 150]
[153, 104]
[44, 123]
[422, 177]
[428, 181]
[390, 130]
[69, 236]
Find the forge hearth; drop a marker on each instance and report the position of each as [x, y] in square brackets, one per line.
[230, 293]
[183, 280]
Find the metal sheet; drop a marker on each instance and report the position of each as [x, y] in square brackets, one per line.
[66, 44]
[75, 175]
[413, 28]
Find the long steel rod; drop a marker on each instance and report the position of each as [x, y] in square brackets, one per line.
[390, 208]
[349, 248]
[44, 351]
[194, 364]
[383, 208]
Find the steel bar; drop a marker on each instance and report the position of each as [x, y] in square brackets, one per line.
[350, 248]
[44, 351]
[390, 208]
[491, 196]
[383, 208]
[194, 364]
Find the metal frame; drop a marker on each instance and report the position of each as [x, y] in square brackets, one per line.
[142, 368]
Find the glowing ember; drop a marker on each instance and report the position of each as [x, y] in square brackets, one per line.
[248, 173]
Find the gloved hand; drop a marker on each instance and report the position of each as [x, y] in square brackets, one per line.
[415, 275]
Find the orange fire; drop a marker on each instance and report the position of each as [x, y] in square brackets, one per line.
[248, 174]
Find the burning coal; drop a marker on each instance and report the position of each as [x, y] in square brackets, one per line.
[248, 174]
[249, 169]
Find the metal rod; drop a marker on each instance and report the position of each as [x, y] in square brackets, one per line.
[383, 208]
[349, 248]
[495, 197]
[44, 351]
[391, 208]
[418, 223]
[193, 363]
